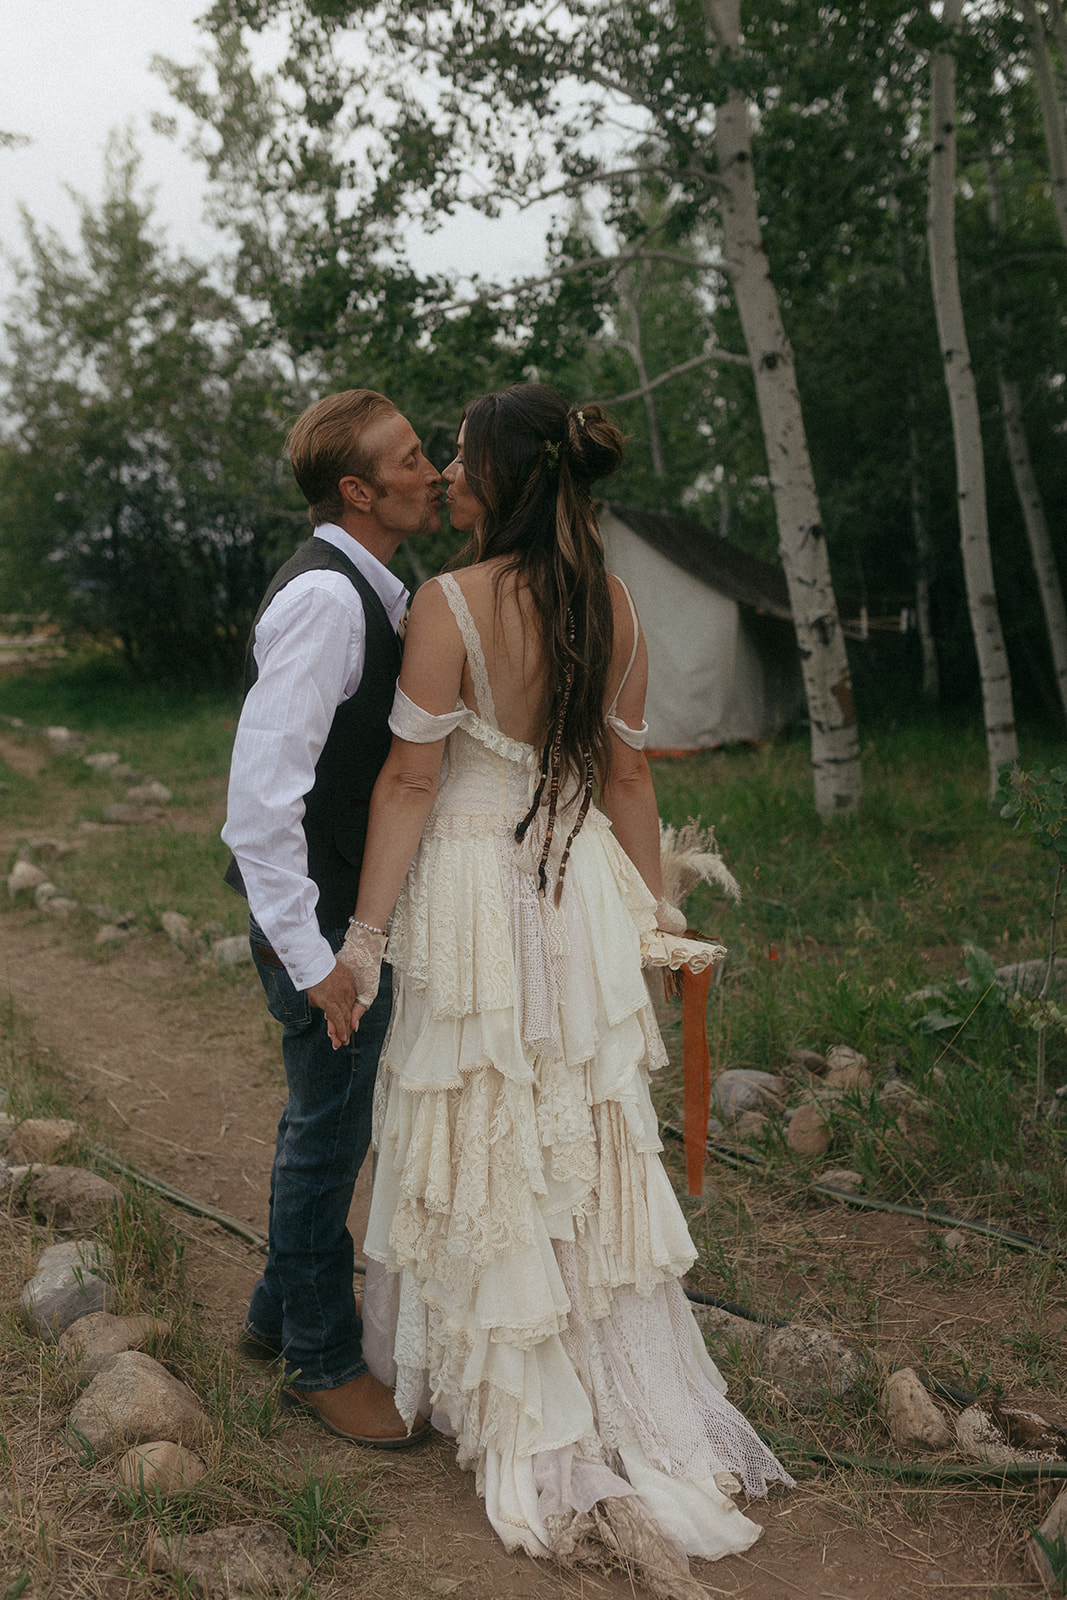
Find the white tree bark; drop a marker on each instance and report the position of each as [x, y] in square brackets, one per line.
[1052, 114]
[1001, 742]
[835, 752]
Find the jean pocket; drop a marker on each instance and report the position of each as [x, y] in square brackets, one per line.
[285, 1002]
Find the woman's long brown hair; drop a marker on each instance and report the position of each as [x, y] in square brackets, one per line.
[531, 461]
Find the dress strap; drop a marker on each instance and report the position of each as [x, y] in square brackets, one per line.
[633, 652]
[472, 644]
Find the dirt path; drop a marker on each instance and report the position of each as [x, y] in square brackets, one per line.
[183, 1073]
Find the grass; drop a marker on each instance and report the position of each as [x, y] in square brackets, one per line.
[836, 928]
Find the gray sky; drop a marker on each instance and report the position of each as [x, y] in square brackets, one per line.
[71, 71]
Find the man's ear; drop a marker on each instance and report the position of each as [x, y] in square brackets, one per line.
[356, 494]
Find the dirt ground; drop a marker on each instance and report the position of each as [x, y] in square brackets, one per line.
[182, 1072]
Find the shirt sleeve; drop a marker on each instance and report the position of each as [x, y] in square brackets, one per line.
[309, 649]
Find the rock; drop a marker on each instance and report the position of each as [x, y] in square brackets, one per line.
[842, 1055]
[178, 929]
[63, 741]
[953, 1240]
[983, 1437]
[58, 905]
[750, 1125]
[93, 1343]
[1053, 1529]
[716, 1130]
[123, 815]
[51, 849]
[67, 1285]
[102, 760]
[151, 793]
[231, 952]
[1027, 977]
[136, 1399]
[809, 1061]
[231, 1563]
[842, 1178]
[804, 1360]
[914, 1420]
[160, 1467]
[721, 1328]
[110, 933]
[68, 1197]
[127, 773]
[42, 1139]
[23, 878]
[743, 1089]
[808, 1133]
[848, 1075]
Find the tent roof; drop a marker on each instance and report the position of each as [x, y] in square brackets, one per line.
[714, 561]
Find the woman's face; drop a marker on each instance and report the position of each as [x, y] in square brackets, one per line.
[464, 510]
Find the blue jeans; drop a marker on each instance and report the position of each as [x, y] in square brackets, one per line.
[304, 1302]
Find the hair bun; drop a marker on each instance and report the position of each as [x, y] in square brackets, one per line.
[594, 443]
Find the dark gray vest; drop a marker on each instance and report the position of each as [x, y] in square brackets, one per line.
[335, 814]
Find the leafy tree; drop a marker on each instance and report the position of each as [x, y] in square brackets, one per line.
[142, 492]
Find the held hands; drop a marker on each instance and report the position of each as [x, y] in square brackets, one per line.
[362, 954]
[669, 919]
[336, 996]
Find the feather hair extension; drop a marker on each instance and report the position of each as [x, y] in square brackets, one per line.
[690, 855]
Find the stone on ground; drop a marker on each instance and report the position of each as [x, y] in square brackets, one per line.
[66, 1285]
[67, 1197]
[42, 1139]
[93, 1343]
[804, 1360]
[160, 1467]
[136, 1400]
[914, 1420]
[743, 1089]
[231, 1562]
[809, 1131]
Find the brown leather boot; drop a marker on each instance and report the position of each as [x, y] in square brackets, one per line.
[361, 1410]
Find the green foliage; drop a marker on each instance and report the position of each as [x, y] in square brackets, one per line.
[322, 1513]
[1038, 798]
[142, 494]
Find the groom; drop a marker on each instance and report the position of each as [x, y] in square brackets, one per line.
[320, 673]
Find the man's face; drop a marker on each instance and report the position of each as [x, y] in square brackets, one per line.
[408, 501]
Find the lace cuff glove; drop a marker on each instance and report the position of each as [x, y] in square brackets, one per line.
[669, 919]
[362, 954]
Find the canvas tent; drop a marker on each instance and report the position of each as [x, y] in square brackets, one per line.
[722, 653]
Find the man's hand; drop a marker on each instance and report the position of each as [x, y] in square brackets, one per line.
[336, 996]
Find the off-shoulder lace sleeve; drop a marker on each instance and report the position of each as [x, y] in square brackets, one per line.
[634, 737]
[409, 721]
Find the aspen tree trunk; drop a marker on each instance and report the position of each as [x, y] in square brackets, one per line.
[1058, 24]
[835, 756]
[1001, 742]
[924, 561]
[1049, 584]
[1052, 115]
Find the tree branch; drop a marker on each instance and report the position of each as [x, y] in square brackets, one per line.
[674, 372]
[497, 292]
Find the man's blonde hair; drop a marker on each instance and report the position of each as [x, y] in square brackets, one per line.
[325, 444]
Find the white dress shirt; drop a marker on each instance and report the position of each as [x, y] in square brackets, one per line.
[309, 649]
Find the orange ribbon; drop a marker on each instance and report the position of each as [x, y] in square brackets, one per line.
[696, 1074]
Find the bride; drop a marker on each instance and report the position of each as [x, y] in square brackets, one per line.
[529, 1245]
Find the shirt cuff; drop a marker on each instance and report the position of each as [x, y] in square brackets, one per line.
[307, 955]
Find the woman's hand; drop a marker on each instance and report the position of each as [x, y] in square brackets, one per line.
[669, 919]
[362, 954]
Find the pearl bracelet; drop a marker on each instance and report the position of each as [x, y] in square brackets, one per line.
[354, 922]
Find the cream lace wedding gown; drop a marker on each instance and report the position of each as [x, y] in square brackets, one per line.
[531, 1243]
